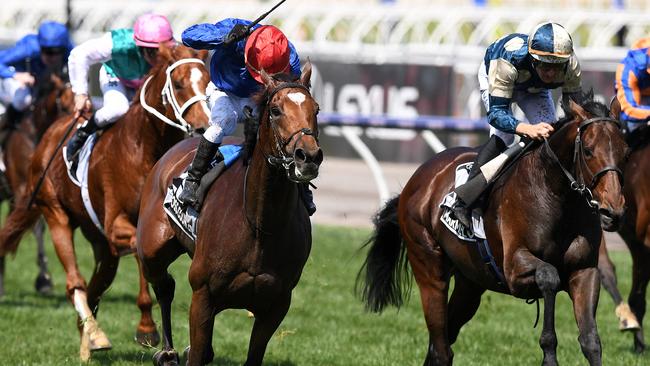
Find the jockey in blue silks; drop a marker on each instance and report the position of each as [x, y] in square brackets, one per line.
[235, 77]
[522, 69]
[26, 62]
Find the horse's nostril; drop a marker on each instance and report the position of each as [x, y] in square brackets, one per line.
[319, 157]
[299, 155]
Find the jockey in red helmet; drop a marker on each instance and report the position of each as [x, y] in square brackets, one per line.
[235, 76]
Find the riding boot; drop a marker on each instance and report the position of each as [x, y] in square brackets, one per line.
[79, 138]
[205, 151]
[307, 197]
[476, 184]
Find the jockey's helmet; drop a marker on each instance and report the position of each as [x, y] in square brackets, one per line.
[53, 35]
[550, 43]
[267, 48]
[150, 30]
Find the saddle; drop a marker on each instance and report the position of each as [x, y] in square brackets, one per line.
[186, 218]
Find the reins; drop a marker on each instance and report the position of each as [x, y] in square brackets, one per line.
[578, 184]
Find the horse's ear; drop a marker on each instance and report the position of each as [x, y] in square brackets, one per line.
[615, 108]
[164, 53]
[305, 78]
[267, 79]
[202, 55]
[576, 109]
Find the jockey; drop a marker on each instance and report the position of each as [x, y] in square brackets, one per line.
[235, 77]
[633, 85]
[31, 57]
[127, 55]
[522, 69]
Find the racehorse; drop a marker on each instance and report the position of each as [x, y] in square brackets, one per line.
[543, 228]
[54, 98]
[253, 235]
[121, 158]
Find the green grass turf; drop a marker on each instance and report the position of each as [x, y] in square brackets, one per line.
[326, 324]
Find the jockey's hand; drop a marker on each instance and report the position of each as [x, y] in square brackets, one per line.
[24, 78]
[537, 131]
[82, 104]
[238, 32]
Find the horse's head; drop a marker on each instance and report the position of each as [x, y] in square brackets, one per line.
[288, 127]
[599, 154]
[54, 99]
[174, 91]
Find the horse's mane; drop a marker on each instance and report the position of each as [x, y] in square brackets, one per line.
[251, 127]
[587, 102]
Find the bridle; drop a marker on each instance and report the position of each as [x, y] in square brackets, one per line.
[580, 164]
[279, 158]
[168, 96]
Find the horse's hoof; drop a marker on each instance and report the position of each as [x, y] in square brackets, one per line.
[97, 340]
[147, 339]
[44, 284]
[626, 319]
[186, 356]
[166, 358]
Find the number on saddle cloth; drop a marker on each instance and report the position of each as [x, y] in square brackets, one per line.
[186, 217]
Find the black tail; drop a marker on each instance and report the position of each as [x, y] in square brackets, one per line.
[385, 270]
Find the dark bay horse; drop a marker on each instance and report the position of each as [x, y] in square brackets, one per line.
[53, 99]
[543, 231]
[117, 169]
[254, 233]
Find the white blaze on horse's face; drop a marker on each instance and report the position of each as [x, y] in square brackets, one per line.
[195, 78]
[297, 98]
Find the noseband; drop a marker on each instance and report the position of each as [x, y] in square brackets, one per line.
[579, 159]
[279, 157]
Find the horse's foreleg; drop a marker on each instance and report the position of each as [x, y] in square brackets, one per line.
[548, 281]
[584, 289]
[266, 323]
[146, 334]
[463, 304]
[626, 318]
[640, 278]
[202, 314]
[526, 273]
[43, 282]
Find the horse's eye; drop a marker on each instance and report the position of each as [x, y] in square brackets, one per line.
[275, 112]
[588, 152]
[178, 85]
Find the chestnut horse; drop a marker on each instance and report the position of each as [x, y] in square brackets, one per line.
[54, 98]
[543, 228]
[254, 233]
[118, 166]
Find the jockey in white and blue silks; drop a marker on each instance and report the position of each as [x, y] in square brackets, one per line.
[126, 56]
[520, 69]
[235, 77]
[22, 65]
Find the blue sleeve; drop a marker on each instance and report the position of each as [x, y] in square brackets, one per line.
[294, 61]
[207, 36]
[500, 116]
[23, 49]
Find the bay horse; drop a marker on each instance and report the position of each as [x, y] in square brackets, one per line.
[543, 228]
[53, 99]
[254, 233]
[117, 169]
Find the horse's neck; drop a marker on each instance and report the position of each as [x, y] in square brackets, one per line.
[271, 197]
[142, 134]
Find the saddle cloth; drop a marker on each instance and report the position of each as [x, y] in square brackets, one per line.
[448, 219]
[78, 173]
[186, 218]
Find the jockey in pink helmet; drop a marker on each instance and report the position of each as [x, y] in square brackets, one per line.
[126, 56]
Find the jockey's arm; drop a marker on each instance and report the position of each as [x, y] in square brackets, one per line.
[207, 36]
[91, 52]
[629, 93]
[10, 56]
